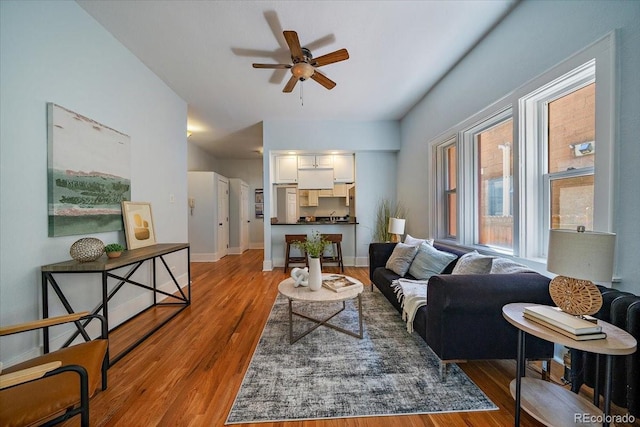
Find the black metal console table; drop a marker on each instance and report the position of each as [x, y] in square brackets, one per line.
[132, 258]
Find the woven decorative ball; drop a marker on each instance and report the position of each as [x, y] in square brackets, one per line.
[574, 296]
[87, 249]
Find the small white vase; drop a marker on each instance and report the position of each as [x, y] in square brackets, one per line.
[315, 274]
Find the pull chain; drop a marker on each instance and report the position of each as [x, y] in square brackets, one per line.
[302, 93]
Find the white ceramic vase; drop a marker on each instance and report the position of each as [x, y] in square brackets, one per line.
[315, 274]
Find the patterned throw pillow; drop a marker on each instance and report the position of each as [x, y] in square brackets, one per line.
[401, 258]
[429, 261]
[473, 263]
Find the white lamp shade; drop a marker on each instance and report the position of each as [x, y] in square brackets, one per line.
[396, 225]
[584, 255]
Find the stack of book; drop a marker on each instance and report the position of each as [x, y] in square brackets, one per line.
[338, 283]
[575, 327]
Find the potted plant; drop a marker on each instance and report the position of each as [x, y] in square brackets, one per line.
[314, 247]
[114, 250]
[386, 210]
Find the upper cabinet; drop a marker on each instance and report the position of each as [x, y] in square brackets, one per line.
[286, 170]
[343, 168]
[315, 162]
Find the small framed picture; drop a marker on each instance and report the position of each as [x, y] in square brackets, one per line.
[138, 224]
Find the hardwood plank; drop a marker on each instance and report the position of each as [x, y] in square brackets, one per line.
[188, 372]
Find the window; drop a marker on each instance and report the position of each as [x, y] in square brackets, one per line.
[495, 166]
[571, 159]
[451, 172]
[488, 182]
[528, 162]
[447, 165]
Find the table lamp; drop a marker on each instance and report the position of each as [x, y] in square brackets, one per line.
[396, 228]
[578, 257]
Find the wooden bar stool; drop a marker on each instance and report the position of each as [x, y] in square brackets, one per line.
[336, 249]
[290, 239]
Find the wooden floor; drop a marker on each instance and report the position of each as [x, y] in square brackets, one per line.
[188, 372]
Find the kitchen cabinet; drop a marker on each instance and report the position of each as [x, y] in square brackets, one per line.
[286, 170]
[315, 162]
[343, 168]
[308, 197]
[340, 190]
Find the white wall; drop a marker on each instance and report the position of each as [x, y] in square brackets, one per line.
[55, 52]
[533, 38]
[375, 145]
[198, 159]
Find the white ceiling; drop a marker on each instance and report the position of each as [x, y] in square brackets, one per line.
[204, 50]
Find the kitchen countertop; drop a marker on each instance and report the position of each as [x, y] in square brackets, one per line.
[317, 223]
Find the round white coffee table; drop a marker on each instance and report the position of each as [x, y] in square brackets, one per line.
[304, 294]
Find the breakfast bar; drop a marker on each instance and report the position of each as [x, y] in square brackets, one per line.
[324, 226]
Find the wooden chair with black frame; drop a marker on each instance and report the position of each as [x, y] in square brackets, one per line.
[56, 386]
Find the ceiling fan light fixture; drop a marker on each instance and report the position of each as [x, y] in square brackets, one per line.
[302, 70]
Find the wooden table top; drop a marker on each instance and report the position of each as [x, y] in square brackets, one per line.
[105, 264]
[617, 342]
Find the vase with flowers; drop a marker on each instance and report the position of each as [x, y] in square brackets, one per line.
[314, 247]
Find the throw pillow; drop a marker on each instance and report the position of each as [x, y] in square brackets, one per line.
[401, 258]
[473, 263]
[429, 261]
[507, 266]
[409, 240]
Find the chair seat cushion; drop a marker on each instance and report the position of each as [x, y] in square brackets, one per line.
[35, 402]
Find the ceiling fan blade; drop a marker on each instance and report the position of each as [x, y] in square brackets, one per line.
[294, 44]
[278, 66]
[290, 84]
[330, 58]
[323, 80]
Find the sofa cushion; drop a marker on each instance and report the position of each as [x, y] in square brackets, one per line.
[429, 261]
[507, 266]
[473, 263]
[410, 240]
[401, 258]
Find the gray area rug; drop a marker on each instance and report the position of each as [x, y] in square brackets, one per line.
[328, 374]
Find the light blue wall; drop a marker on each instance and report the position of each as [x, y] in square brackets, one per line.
[375, 144]
[536, 36]
[55, 52]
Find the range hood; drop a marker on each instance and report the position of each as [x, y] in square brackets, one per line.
[315, 179]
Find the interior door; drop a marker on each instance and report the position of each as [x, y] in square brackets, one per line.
[223, 217]
[244, 217]
[292, 206]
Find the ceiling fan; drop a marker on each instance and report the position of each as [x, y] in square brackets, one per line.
[304, 64]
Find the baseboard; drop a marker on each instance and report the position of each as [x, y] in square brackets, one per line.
[362, 262]
[235, 251]
[259, 245]
[267, 265]
[204, 257]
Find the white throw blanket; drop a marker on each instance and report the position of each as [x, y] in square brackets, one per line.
[411, 294]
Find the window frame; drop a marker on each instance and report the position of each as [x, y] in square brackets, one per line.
[530, 186]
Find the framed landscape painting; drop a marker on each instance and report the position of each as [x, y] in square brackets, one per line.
[88, 174]
[138, 224]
